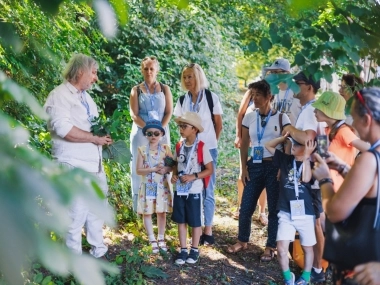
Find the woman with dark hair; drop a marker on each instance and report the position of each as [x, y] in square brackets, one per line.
[357, 196]
[260, 126]
[349, 84]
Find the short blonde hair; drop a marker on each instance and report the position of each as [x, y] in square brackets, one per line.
[77, 63]
[152, 58]
[200, 77]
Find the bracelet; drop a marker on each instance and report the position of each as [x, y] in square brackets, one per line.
[342, 167]
[325, 180]
[196, 175]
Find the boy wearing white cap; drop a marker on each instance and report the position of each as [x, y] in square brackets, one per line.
[190, 176]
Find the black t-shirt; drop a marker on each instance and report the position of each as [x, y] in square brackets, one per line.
[287, 193]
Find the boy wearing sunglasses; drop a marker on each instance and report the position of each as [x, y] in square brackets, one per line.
[194, 166]
[155, 195]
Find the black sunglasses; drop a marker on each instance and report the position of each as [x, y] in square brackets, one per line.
[183, 126]
[156, 134]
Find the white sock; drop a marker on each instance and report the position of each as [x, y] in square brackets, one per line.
[151, 238]
[161, 237]
[317, 270]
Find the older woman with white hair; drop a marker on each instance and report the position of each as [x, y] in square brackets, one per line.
[206, 103]
[150, 100]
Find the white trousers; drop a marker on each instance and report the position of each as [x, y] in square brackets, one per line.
[82, 217]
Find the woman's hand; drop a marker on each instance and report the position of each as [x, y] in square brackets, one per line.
[320, 169]
[161, 169]
[368, 273]
[244, 175]
[334, 162]
[237, 142]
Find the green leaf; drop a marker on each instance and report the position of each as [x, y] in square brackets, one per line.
[265, 44]
[286, 41]
[299, 59]
[119, 260]
[46, 280]
[253, 47]
[307, 33]
[38, 278]
[49, 6]
[118, 152]
[322, 35]
[314, 67]
[358, 12]
[153, 272]
[344, 29]
[273, 32]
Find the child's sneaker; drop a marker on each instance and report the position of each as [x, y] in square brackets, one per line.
[291, 281]
[193, 256]
[317, 277]
[301, 281]
[181, 257]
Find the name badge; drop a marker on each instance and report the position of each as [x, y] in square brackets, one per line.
[151, 190]
[257, 154]
[297, 209]
[183, 188]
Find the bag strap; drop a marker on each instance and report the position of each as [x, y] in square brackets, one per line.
[162, 88]
[210, 103]
[280, 119]
[376, 223]
[181, 99]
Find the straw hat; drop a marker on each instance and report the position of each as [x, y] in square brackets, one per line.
[332, 104]
[191, 118]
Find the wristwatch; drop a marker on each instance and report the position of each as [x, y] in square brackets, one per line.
[196, 175]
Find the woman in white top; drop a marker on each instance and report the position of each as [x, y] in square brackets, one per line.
[150, 100]
[204, 102]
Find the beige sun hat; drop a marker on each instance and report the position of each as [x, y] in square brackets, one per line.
[191, 118]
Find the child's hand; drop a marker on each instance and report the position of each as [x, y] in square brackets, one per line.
[174, 179]
[285, 135]
[187, 178]
[310, 145]
[161, 169]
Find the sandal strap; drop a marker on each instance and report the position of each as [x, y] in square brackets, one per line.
[162, 244]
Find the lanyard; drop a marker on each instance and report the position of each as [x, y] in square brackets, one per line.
[190, 154]
[156, 158]
[85, 103]
[151, 96]
[303, 108]
[375, 145]
[296, 174]
[284, 100]
[261, 134]
[195, 107]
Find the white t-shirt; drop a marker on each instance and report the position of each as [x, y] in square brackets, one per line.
[272, 129]
[285, 101]
[194, 166]
[208, 135]
[307, 120]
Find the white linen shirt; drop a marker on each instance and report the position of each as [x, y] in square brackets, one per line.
[65, 109]
[208, 136]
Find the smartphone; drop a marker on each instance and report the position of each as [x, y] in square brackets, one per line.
[323, 145]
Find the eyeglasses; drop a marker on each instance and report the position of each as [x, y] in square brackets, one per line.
[362, 101]
[300, 83]
[183, 126]
[277, 72]
[151, 134]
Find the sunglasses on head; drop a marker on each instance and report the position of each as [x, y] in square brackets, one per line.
[150, 57]
[191, 65]
[151, 134]
[362, 102]
[183, 126]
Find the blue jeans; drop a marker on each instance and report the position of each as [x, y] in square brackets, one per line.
[209, 201]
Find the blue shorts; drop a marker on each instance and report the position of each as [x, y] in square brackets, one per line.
[188, 210]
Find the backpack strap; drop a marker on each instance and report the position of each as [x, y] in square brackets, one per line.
[162, 88]
[280, 120]
[181, 99]
[178, 147]
[210, 103]
[138, 90]
[206, 180]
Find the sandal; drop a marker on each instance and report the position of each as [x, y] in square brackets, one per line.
[154, 245]
[266, 257]
[263, 219]
[239, 246]
[207, 239]
[162, 245]
[235, 215]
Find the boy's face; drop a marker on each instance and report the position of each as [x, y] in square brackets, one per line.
[186, 130]
[297, 150]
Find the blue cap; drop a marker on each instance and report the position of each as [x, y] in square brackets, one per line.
[153, 124]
